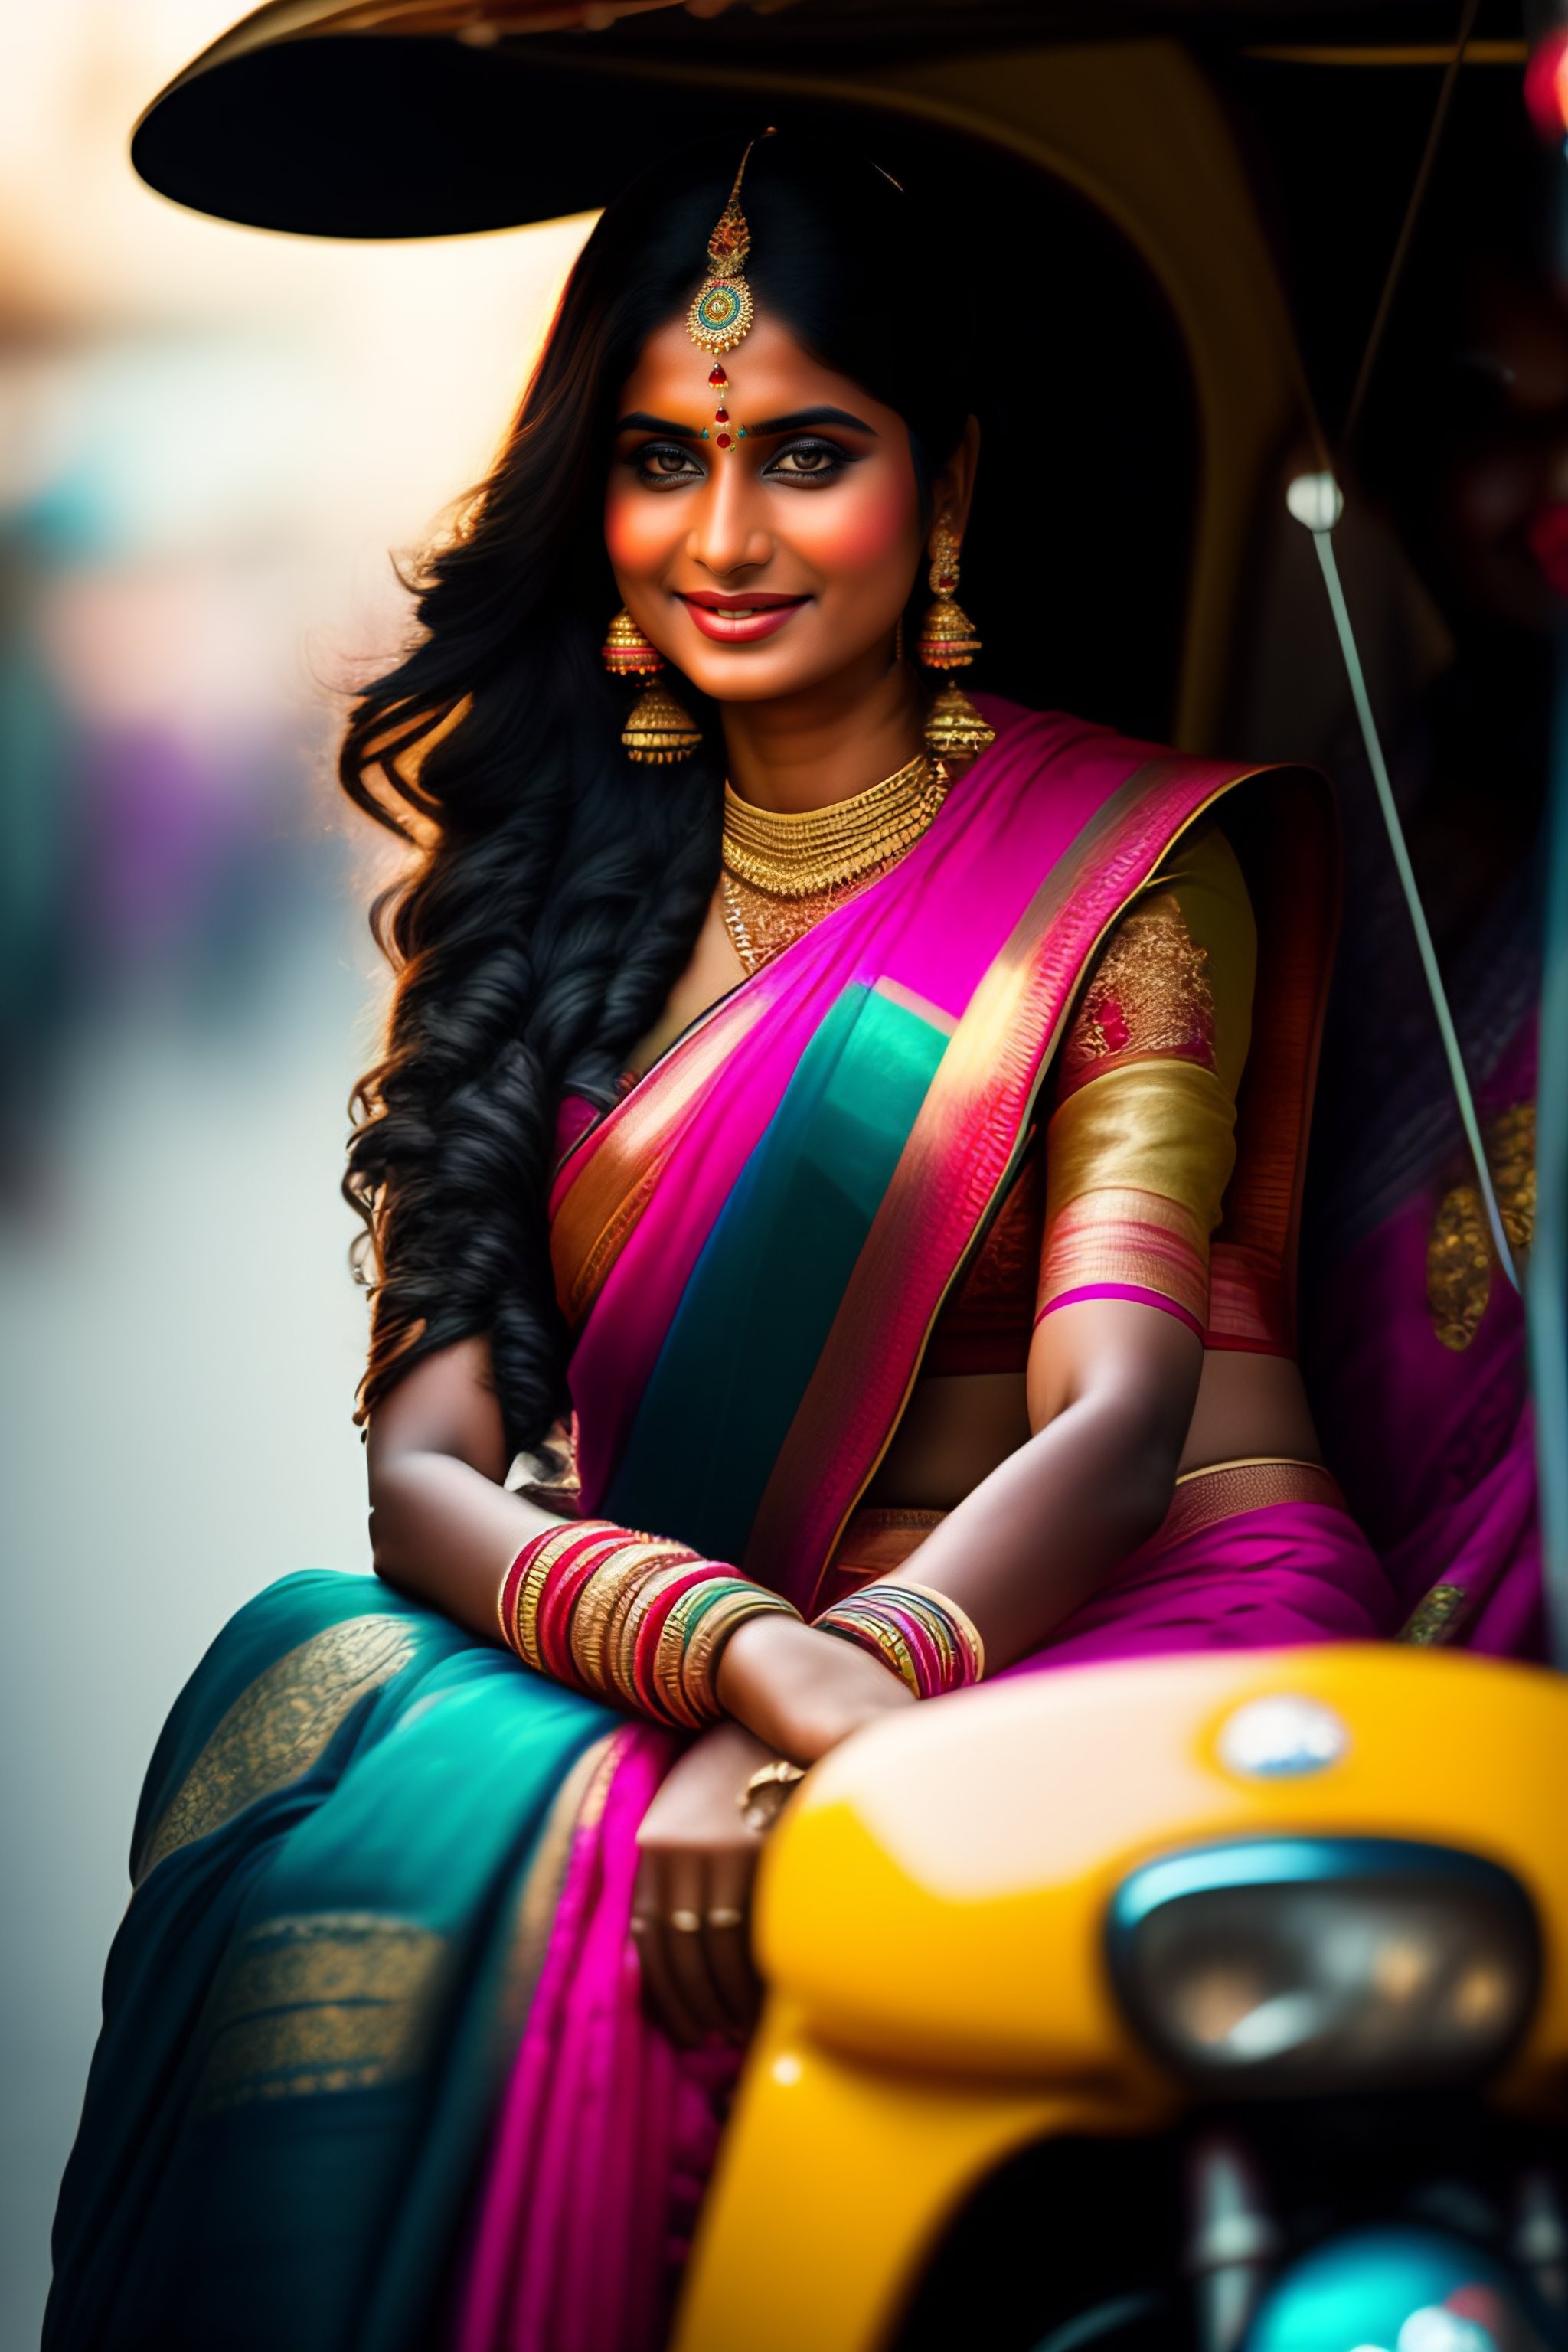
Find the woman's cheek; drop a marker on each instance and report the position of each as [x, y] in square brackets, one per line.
[638, 535]
[857, 529]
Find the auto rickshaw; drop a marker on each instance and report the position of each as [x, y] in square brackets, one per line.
[1216, 2003]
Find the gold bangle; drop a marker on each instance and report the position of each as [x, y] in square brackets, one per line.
[963, 1623]
[617, 1589]
[672, 1659]
[532, 1597]
[621, 1573]
[627, 1622]
[700, 1666]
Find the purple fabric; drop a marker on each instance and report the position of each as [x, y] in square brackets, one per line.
[1277, 1577]
[1433, 1446]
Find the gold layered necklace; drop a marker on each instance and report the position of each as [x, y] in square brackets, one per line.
[783, 873]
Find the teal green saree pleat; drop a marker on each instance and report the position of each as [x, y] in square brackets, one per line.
[302, 2007]
[747, 1334]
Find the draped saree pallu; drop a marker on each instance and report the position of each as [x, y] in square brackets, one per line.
[375, 2072]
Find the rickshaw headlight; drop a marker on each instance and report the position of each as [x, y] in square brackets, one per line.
[1323, 1964]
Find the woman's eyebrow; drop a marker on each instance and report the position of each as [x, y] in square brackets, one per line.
[640, 421]
[799, 420]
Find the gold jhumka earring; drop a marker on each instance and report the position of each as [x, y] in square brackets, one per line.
[658, 732]
[954, 728]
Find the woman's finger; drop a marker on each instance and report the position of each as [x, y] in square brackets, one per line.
[684, 1885]
[661, 1991]
[727, 1935]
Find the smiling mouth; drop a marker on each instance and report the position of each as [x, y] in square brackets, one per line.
[740, 619]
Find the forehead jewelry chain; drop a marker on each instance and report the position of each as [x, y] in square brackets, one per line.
[724, 311]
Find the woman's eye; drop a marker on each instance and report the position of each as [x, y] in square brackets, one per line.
[815, 461]
[661, 461]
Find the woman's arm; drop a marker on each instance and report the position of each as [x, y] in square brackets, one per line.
[1111, 1389]
[444, 1528]
[442, 1525]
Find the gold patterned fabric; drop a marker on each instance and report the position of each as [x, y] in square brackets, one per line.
[1174, 980]
[1437, 1618]
[331, 2002]
[1458, 1248]
[278, 1729]
[1150, 994]
[1140, 1145]
[1204, 1498]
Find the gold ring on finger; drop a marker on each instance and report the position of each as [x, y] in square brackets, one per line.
[687, 1923]
[726, 1915]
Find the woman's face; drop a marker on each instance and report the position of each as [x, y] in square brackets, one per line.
[1497, 526]
[765, 569]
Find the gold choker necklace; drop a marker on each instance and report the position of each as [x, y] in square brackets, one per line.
[783, 873]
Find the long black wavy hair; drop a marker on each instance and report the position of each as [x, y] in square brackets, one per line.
[557, 890]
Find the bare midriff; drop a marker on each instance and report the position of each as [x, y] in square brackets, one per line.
[958, 1428]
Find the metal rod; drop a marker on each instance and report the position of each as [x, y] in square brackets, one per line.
[1407, 227]
[1320, 522]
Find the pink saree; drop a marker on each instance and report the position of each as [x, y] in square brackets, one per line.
[818, 1158]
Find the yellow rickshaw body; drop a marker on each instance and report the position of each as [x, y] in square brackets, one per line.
[931, 1922]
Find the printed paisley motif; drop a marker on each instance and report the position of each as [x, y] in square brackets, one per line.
[1459, 1249]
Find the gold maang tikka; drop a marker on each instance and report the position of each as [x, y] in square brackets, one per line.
[724, 311]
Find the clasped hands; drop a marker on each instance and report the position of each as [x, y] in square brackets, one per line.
[788, 1690]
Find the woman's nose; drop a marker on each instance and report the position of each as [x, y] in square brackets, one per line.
[728, 534]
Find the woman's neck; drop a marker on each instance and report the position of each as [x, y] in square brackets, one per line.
[808, 750]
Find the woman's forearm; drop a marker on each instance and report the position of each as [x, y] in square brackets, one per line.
[1038, 1536]
[1113, 1385]
[448, 1534]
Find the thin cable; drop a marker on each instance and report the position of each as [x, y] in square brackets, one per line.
[1412, 215]
[1322, 540]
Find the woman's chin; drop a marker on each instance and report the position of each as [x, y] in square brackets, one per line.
[770, 671]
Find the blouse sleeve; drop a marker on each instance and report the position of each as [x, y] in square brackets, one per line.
[1141, 1144]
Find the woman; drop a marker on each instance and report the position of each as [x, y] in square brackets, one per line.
[1418, 1339]
[836, 1123]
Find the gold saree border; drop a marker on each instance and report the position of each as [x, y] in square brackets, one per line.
[578, 1806]
[1205, 1497]
[311, 2003]
[599, 1211]
[277, 1728]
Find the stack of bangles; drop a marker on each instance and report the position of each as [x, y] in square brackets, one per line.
[629, 1618]
[918, 1634]
[643, 1623]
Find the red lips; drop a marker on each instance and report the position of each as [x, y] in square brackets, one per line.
[1548, 536]
[740, 619]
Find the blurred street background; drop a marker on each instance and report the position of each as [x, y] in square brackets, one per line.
[211, 441]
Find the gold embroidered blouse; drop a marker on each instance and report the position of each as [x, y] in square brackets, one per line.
[1121, 1196]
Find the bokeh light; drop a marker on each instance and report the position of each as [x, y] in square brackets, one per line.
[210, 439]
